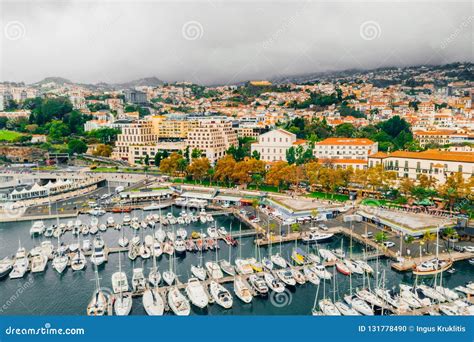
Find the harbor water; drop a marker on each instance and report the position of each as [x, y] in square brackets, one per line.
[51, 293]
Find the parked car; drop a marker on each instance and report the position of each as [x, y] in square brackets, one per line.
[369, 235]
[256, 220]
[323, 227]
[469, 249]
[388, 244]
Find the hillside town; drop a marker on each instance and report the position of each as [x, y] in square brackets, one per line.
[415, 122]
[382, 159]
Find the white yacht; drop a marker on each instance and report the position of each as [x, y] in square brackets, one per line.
[47, 249]
[138, 280]
[321, 271]
[242, 291]
[273, 283]
[6, 266]
[182, 233]
[154, 277]
[180, 246]
[227, 267]
[153, 302]
[38, 263]
[353, 266]
[60, 261]
[196, 293]
[78, 261]
[345, 309]
[98, 253]
[214, 270]
[327, 255]
[311, 276]
[221, 295]
[286, 276]
[119, 282]
[126, 220]
[169, 277]
[359, 305]
[20, 266]
[278, 260]
[98, 304]
[123, 304]
[199, 272]
[243, 267]
[110, 221]
[37, 228]
[160, 235]
[258, 284]
[212, 232]
[328, 308]
[178, 302]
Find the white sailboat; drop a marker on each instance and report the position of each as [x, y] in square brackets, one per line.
[153, 302]
[98, 304]
[196, 293]
[61, 260]
[119, 279]
[20, 265]
[78, 261]
[273, 283]
[241, 290]
[178, 302]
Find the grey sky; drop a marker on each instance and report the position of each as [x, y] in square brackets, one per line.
[116, 41]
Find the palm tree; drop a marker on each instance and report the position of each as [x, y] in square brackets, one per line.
[427, 238]
[408, 240]
[450, 233]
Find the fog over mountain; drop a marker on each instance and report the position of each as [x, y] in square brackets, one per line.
[224, 42]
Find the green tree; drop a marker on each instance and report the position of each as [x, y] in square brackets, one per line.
[77, 146]
[58, 130]
[291, 155]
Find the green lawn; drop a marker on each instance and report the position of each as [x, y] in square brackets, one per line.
[6, 135]
[203, 183]
[267, 188]
[331, 197]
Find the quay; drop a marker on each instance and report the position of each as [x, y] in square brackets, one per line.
[5, 218]
[408, 264]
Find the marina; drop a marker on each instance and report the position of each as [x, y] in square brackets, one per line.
[77, 287]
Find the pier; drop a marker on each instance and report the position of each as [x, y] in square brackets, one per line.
[408, 264]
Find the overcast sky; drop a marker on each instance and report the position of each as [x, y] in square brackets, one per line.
[224, 42]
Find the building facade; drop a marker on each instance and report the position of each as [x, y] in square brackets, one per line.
[345, 148]
[435, 163]
[213, 137]
[137, 133]
[272, 146]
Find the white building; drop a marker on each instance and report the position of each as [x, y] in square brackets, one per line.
[213, 137]
[435, 163]
[272, 146]
[345, 148]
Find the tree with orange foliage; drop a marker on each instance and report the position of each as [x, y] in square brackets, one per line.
[224, 169]
[276, 175]
[199, 168]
